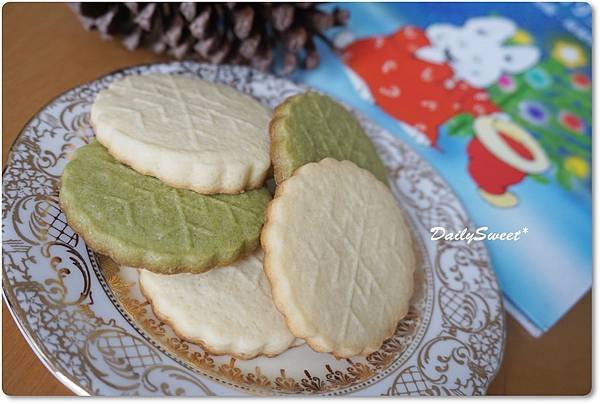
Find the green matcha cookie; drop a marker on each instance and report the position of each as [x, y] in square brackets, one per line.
[309, 127]
[140, 222]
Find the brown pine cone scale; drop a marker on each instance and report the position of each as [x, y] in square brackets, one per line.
[239, 33]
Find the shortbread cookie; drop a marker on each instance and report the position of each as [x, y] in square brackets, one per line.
[190, 133]
[227, 310]
[309, 127]
[140, 222]
[339, 256]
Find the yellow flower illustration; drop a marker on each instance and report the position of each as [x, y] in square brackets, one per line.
[522, 37]
[569, 54]
[577, 166]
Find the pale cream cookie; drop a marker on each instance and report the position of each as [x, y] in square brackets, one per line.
[339, 256]
[188, 132]
[227, 310]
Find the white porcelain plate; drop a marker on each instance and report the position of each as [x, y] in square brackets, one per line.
[93, 329]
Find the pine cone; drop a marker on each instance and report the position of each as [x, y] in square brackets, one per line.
[238, 33]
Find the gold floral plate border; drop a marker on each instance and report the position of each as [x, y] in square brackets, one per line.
[91, 327]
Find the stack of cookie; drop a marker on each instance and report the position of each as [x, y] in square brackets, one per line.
[174, 185]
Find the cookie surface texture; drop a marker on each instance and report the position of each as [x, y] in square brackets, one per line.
[140, 222]
[190, 133]
[227, 310]
[339, 256]
[309, 127]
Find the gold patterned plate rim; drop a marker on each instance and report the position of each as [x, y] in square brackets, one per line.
[87, 322]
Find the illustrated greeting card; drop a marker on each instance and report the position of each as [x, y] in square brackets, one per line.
[497, 97]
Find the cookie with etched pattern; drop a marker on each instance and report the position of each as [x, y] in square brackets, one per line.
[141, 222]
[339, 256]
[309, 127]
[228, 310]
[188, 132]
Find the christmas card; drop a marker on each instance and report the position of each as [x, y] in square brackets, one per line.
[497, 97]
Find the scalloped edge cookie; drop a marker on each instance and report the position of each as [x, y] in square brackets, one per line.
[287, 260]
[240, 341]
[134, 254]
[226, 160]
[279, 134]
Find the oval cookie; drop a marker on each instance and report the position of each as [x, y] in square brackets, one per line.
[339, 256]
[190, 133]
[227, 310]
[309, 127]
[140, 222]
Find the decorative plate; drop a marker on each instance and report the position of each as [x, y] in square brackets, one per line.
[91, 327]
